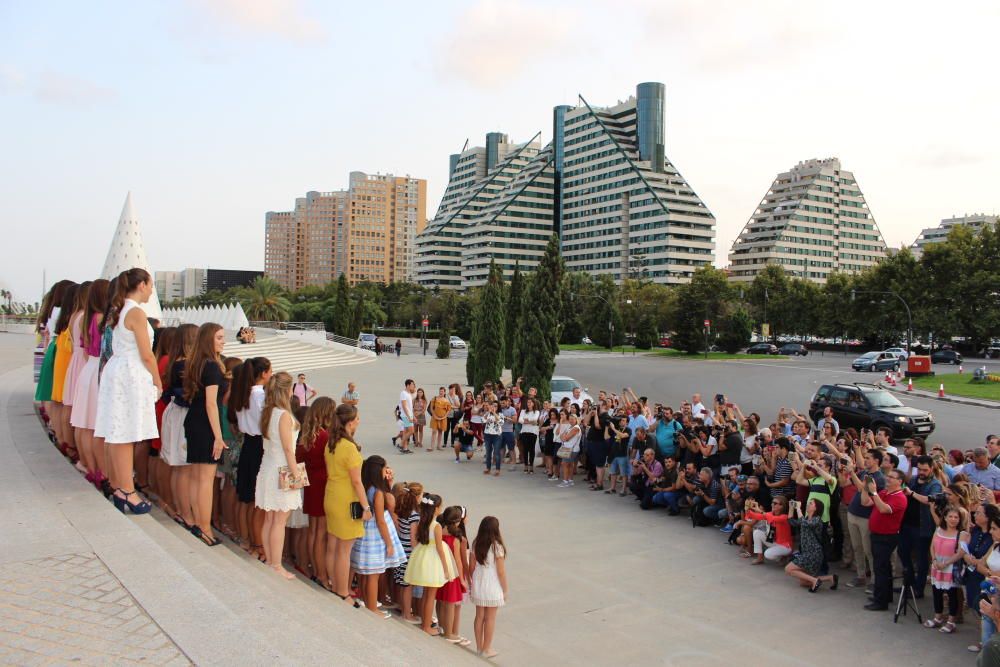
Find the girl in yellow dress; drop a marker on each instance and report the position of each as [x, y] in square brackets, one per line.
[431, 565]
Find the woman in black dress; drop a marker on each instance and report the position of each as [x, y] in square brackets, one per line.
[205, 385]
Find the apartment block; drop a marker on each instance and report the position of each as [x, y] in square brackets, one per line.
[603, 184]
[812, 221]
[175, 285]
[975, 222]
[366, 232]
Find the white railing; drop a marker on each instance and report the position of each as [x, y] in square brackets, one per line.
[343, 340]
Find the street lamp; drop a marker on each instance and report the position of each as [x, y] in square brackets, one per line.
[909, 315]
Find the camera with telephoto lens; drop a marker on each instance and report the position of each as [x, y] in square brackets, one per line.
[940, 501]
[987, 589]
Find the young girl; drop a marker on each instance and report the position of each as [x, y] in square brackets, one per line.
[449, 596]
[947, 548]
[570, 439]
[488, 582]
[431, 564]
[60, 365]
[407, 501]
[77, 360]
[315, 436]
[530, 419]
[205, 384]
[84, 412]
[419, 417]
[173, 446]
[246, 401]
[280, 431]
[379, 548]
[225, 514]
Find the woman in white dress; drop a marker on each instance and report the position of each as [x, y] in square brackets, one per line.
[129, 386]
[280, 432]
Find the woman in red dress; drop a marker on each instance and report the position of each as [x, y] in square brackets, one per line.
[313, 440]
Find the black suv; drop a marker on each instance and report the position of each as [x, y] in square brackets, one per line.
[867, 406]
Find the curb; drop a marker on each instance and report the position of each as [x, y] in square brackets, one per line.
[979, 403]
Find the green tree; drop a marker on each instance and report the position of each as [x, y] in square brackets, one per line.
[268, 301]
[577, 288]
[736, 331]
[338, 318]
[645, 335]
[706, 297]
[537, 363]
[549, 288]
[489, 332]
[513, 312]
[768, 293]
[604, 317]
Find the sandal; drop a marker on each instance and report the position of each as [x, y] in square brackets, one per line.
[948, 628]
[356, 605]
[745, 554]
[933, 623]
[141, 507]
[815, 587]
[201, 535]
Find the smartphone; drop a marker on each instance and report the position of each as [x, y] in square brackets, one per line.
[729, 405]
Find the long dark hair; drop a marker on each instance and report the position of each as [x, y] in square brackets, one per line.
[97, 301]
[428, 505]
[164, 342]
[66, 308]
[52, 299]
[488, 538]
[451, 521]
[406, 498]
[204, 353]
[345, 415]
[182, 346]
[371, 474]
[126, 282]
[244, 379]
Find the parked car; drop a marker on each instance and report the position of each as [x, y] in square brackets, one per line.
[992, 352]
[946, 357]
[899, 352]
[456, 342]
[861, 405]
[586, 340]
[562, 387]
[762, 348]
[366, 341]
[665, 341]
[793, 349]
[876, 361]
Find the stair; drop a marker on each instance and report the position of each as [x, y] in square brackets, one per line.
[293, 356]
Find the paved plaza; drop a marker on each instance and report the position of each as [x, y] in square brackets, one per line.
[593, 580]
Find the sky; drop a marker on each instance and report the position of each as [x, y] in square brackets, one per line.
[213, 112]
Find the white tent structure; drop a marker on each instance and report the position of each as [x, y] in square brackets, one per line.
[231, 316]
[127, 252]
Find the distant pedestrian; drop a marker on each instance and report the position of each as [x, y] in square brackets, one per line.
[399, 347]
[351, 396]
[303, 391]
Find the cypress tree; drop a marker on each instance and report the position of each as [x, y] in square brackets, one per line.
[513, 313]
[549, 278]
[341, 317]
[490, 327]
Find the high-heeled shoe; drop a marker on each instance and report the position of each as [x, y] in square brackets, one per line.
[118, 502]
[141, 507]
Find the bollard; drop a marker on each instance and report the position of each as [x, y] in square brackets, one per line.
[941, 390]
[909, 384]
[960, 369]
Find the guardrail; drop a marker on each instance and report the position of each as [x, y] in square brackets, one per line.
[343, 340]
[287, 326]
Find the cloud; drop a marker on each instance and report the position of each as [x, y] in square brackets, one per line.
[495, 40]
[285, 19]
[946, 157]
[55, 88]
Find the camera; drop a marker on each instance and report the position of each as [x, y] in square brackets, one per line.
[987, 588]
[940, 501]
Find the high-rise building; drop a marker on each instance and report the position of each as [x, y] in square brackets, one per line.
[366, 232]
[812, 221]
[603, 184]
[975, 222]
[177, 285]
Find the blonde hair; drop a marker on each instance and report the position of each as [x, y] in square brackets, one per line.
[277, 394]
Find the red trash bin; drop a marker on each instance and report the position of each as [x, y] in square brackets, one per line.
[918, 365]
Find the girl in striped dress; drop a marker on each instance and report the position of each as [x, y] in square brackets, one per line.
[379, 548]
[407, 500]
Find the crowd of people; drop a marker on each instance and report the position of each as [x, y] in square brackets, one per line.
[226, 447]
[246, 335]
[813, 498]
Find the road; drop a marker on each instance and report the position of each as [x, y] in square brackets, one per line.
[763, 386]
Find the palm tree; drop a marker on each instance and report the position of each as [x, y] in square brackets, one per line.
[267, 301]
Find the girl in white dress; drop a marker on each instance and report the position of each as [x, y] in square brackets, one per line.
[129, 386]
[487, 582]
[280, 433]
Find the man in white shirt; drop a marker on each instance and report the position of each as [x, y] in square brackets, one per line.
[406, 414]
[697, 407]
[576, 399]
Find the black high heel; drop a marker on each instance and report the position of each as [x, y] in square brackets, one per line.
[357, 605]
[118, 502]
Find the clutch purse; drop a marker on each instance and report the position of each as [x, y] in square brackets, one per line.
[288, 482]
[357, 511]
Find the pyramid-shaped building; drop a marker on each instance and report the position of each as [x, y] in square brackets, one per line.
[127, 252]
[813, 221]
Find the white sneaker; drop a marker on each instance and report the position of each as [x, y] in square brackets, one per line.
[570, 483]
[564, 484]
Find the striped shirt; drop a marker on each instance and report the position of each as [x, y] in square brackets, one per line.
[782, 471]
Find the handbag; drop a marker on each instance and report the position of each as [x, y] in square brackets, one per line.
[357, 511]
[287, 482]
[565, 452]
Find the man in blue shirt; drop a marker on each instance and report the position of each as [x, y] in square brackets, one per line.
[981, 471]
[666, 427]
[917, 531]
[636, 420]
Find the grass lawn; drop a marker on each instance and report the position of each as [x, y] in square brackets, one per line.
[959, 385]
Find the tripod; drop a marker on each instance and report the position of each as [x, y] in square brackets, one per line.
[906, 600]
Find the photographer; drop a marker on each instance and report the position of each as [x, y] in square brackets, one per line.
[666, 428]
[708, 505]
[858, 514]
[647, 471]
[917, 531]
[888, 506]
[618, 437]
[669, 494]
[708, 447]
[774, 540]
[808, 562]
[778, 469]
[730, 448]
[815, 475]
[596, 421]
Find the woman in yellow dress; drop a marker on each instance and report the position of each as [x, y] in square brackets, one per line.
[343, 488]
[64, 352]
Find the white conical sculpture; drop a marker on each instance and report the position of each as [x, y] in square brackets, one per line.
[127, 252]
[216, 314]
[228, 317]
[241, 317]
